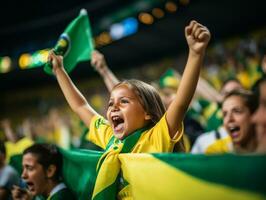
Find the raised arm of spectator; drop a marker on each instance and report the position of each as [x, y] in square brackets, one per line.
[9, 133]
[99, 63]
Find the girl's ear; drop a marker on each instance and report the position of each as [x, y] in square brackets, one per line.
[147, 117]
[50, 172]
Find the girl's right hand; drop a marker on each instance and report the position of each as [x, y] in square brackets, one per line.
[56, 61]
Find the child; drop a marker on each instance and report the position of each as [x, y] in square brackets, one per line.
[135, 109]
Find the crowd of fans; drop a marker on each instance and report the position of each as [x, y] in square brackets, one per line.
[226, 115]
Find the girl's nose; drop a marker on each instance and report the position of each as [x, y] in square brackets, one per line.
[115, 107]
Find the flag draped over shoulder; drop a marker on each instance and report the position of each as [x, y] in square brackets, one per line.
[75, 43]
[189, 177]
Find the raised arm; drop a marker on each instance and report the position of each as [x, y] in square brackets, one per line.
[207, 91]
[75, 99]
[9, 133]
[197, 37]
[99, 64]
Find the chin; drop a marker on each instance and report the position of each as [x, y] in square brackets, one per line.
[120, 136]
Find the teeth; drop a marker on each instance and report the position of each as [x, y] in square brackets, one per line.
[115, 118]
[232, 129]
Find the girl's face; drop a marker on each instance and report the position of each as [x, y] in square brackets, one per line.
[236, 119]
[259, 117]
[125, 112]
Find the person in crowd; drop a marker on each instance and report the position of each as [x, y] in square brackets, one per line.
[208, 139]
[237, 107]
[259, 117]
[42, 172]
[136, 109]
[16, 142]
[8, 175]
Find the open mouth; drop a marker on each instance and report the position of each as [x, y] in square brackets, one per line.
[30, 186]
[118, 123]
[234, 131]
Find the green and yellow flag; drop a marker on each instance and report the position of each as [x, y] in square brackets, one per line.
[195, 177]
[172, 176]
[75, 43]
[168, 176]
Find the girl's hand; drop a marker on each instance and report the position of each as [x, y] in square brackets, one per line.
[56, 60]
[198, 37]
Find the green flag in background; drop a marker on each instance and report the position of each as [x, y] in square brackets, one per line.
[74, 44]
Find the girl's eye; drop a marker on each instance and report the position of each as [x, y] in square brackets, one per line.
[124, 101]
[110, 104]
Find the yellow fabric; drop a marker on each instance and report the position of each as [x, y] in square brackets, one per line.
[166, 182]
[100, 131]
[154, 140]
[17, 148]
[109, 169]
[220, 146]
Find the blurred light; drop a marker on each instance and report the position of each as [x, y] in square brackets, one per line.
[184, 2]
[130, 26]
[158, 13]
[117, 31]
[5, 64]
[39, 58]
[146, 18]
[24, 60]
[170, 6]
[103, 39]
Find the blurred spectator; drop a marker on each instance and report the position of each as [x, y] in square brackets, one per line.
[237, 108]
[8, 175]
[206, 140]
[259, 117]
[42, 171]
[15, 143]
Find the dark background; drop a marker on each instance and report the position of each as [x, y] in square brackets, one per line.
[31, 25]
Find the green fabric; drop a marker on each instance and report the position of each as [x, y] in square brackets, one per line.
[64, 194]
[207, 113]
[16, 162]
[169, 79]
[75, 43]
[79, 171]
[240, 172]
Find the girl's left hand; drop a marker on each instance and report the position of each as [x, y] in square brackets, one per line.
[198, 37]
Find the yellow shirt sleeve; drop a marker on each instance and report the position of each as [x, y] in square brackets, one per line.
[100, 131]
[157, 139]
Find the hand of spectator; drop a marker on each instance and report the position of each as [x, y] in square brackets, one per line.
[20, 194]
[198, 37]
[5, 123]
[98, 61]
